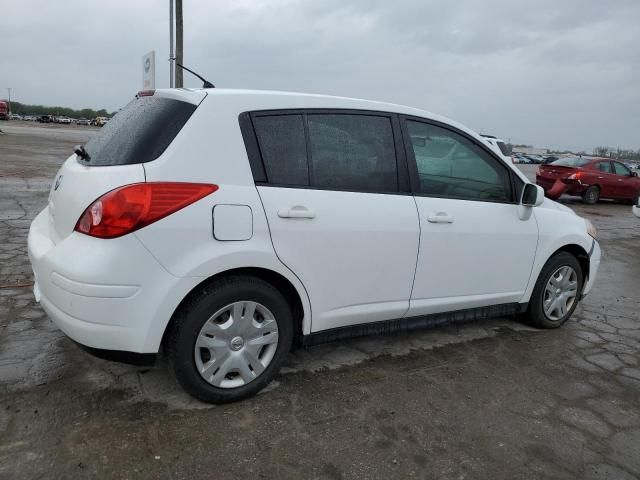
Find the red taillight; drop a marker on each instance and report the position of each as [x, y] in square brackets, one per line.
[132, 207]
[575, 176]
[145, 93]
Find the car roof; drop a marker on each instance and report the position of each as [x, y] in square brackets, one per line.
[273, 99]
[255, 100]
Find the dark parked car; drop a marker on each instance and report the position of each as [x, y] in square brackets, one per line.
[44, 119]
[590, 178]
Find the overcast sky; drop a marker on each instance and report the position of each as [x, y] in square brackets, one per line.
[562, 74]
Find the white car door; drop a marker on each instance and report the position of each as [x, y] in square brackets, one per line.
[475, 250]
[337, 214]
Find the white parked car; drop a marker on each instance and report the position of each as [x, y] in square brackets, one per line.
[636, 208]
[498, 146]
[229, 225]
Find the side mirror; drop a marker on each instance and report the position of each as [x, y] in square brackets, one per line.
[532, 195]
[634, 174]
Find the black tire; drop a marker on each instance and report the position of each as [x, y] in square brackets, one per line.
[196, 311]
[535, 313]
[592, 195]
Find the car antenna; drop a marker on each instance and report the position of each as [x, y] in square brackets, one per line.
[206, 83]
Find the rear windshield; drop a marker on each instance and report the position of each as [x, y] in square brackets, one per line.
[138, 133]
[571, 162]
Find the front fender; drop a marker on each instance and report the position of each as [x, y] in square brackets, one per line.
[557, 229]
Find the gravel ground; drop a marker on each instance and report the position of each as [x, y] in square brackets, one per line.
[491, 399]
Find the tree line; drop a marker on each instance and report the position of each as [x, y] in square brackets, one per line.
[26, 109]
[617, 153]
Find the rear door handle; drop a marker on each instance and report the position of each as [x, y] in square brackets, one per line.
[298, 211]
[440, 217]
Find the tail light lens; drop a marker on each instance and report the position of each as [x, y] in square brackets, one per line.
[129, 208]
[575, 176]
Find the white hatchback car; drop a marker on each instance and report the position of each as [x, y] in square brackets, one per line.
[498, 145]
[225, 225]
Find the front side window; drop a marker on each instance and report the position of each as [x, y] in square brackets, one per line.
[450, 165]
[621, 169]
[352, 152]
[604, 167]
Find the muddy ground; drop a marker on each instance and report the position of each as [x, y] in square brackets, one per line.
[491, 399]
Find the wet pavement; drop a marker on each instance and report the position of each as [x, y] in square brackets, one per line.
[492, 399]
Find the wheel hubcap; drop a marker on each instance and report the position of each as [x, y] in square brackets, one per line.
[236, 344]
[560, 293]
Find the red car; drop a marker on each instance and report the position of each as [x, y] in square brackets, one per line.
[590, 178]
[4, 110]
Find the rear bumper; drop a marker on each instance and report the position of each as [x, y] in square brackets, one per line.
[554, 188]
[105, 294]
[594, 264]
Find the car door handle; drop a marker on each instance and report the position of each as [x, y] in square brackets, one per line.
[440, 217]
[298, 211]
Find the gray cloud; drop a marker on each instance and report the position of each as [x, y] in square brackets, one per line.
[562, 74]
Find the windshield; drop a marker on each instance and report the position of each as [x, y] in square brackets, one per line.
[139, 133]
[571, 162]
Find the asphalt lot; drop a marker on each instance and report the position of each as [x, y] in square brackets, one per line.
[491, 399]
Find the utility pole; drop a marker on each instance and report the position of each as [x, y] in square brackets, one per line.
[171, 57]
[179, 43]
[9, 89]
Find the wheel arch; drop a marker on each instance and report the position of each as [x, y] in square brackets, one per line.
[279, 281]
[581, 255]
[596, 185]
[574, 246]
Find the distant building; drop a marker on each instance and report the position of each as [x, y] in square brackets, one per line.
[530, 150]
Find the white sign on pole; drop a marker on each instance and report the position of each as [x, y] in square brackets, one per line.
[149, 71]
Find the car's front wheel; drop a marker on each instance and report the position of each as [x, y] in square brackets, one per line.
[557, 291]
[229, 340]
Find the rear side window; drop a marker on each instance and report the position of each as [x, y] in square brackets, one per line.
[329, 151]
[283, 148]
[604, 167]
[352, 152]
[138, 133]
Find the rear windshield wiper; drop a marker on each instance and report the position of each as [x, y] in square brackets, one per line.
[82, 153]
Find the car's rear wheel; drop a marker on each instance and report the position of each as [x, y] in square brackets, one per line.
[591, 195]
[557, 291]
[230, 339]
